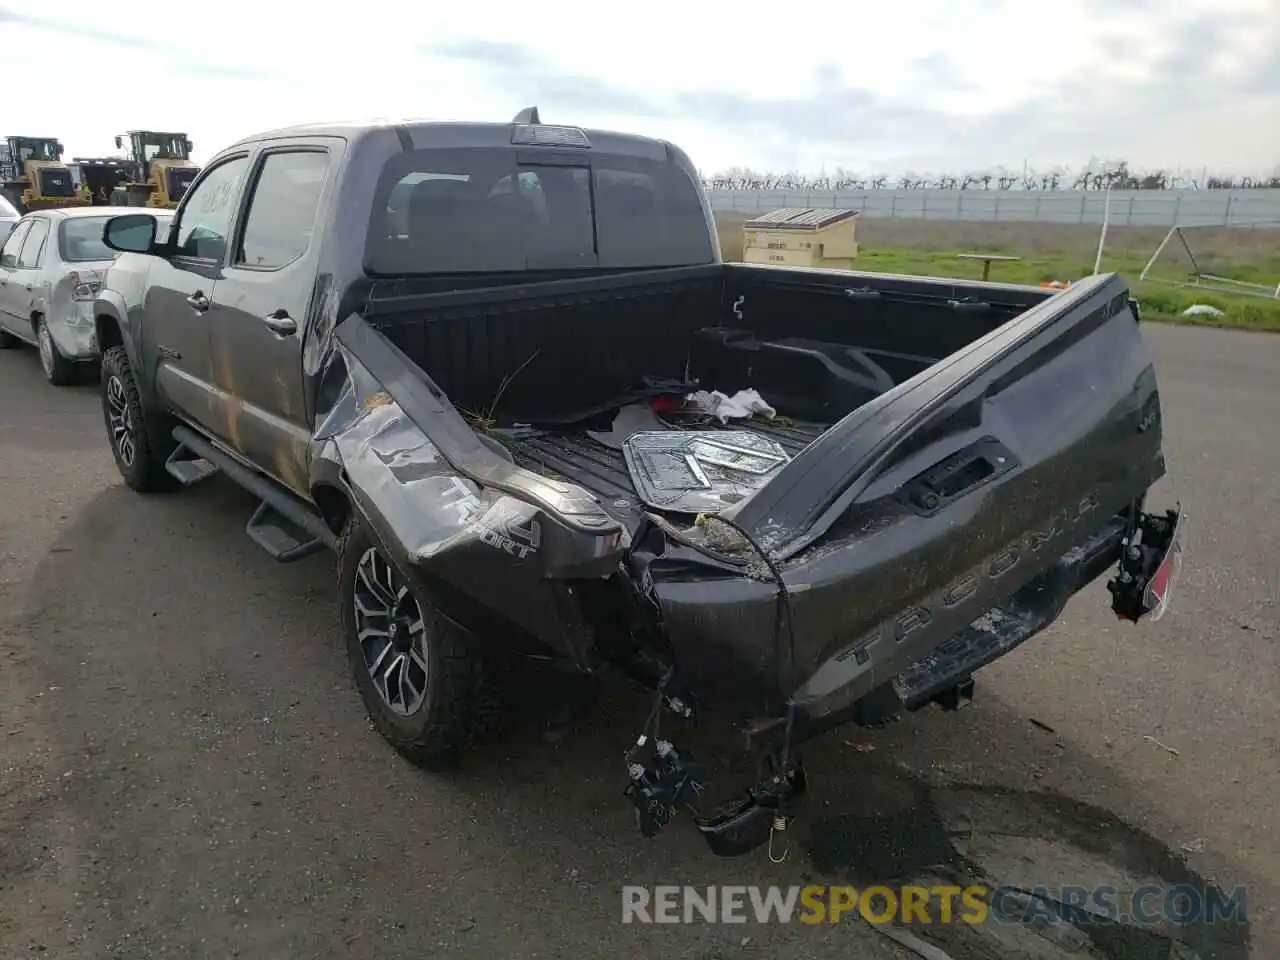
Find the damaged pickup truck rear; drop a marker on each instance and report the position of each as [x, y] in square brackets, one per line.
[502, 371]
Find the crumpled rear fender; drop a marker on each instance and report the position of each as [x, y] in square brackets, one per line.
[507, 552]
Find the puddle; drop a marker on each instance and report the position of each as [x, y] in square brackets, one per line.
[899, 830]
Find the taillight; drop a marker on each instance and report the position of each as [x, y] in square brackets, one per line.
[84, 286]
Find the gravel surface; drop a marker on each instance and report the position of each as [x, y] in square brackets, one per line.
[186, 770]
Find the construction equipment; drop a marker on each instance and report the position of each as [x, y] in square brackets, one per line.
[164, 163]
[97, 178]
[34, 176]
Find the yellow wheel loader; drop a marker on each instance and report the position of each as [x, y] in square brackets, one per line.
[34, 176]
[164, 161]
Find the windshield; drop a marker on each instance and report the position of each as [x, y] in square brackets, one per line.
[169, 146]
[484, 211]
[80, 238]
[7, 209]
[36, 150]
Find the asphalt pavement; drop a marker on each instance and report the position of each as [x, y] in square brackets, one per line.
[187, 771]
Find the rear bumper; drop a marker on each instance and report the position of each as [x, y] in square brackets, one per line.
[729, 636]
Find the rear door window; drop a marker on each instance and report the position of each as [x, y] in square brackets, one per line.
[282, 211]
[33, 247]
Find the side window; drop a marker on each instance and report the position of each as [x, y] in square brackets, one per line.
[33, 249]
[282, 212]
[209, 210]
[9, 253]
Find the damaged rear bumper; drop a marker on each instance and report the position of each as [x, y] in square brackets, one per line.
[734, 645]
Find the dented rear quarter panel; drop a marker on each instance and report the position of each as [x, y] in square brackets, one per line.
[465, 521]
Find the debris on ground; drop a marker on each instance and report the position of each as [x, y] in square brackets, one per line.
[1162, 746]
[1043, 726]
[861, 747]
[1202, 310]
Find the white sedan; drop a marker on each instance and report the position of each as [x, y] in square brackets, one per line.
[51, 269]
[8, 217]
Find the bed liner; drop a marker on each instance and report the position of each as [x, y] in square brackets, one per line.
[576, 457]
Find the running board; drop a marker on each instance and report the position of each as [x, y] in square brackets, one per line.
[275, 533]
[283, 525]
[188, 467]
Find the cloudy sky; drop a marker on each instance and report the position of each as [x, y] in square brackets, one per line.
[921, 85]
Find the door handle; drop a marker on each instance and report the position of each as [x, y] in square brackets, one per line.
[280, 323]
[198, 301]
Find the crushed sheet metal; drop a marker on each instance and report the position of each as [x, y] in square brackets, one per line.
[495, 547]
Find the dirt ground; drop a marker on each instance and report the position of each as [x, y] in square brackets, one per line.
[186, 771]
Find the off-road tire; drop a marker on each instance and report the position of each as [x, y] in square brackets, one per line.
[60, 372]
[146, 473]
[459, 704]
[8, 341]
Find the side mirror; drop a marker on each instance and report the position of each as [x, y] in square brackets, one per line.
[119, 142]
[190, 145]
[130, 233]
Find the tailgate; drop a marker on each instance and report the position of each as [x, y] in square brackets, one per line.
[941, 499]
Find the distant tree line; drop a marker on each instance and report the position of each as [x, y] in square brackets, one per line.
[1095, 175]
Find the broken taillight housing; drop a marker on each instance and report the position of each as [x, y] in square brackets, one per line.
[85, 284]
[1149, 567]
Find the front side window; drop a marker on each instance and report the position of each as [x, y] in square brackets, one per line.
[33, 247]
[492, 210]
[282, 212]
[9, 253]
[206, 216]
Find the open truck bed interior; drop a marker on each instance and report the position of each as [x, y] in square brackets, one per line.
[544, 369]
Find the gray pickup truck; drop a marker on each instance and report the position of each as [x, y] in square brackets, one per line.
[492, 366]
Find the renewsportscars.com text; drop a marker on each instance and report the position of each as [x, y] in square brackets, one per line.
[815, 903]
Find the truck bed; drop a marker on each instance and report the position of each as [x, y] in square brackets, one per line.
[578, 458]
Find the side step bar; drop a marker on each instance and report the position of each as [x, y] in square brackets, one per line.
[283, 525]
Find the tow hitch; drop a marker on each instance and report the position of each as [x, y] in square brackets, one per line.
[1149, 567]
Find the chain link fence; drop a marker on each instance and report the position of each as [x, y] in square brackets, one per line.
[1136, 208]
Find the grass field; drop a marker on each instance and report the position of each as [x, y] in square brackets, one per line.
[1066, 252]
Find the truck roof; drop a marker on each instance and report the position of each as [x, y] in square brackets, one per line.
[446, 134]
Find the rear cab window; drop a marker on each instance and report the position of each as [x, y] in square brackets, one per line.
[489, 210]
[33, 247]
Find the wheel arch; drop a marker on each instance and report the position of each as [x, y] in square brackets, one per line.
[333, 503]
